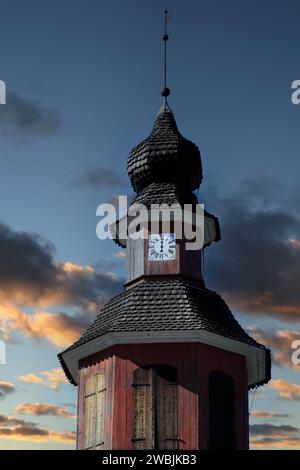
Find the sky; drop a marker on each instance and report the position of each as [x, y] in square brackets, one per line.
[83, 86]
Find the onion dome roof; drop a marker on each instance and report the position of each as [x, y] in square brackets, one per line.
[165, 156]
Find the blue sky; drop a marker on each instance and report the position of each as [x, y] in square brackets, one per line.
[91, 72]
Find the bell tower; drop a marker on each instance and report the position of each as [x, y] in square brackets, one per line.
[165, 365]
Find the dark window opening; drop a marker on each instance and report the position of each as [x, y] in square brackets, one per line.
[222, 428]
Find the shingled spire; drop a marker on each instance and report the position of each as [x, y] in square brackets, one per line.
[165, 157]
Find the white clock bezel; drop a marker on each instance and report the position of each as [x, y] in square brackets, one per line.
[162, 255]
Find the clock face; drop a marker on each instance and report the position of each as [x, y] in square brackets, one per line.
[162, 247]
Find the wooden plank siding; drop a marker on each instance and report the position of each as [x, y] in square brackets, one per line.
[194, 362]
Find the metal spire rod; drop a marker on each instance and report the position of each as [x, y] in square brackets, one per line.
[166, 90]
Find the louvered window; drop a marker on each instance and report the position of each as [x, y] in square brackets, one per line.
[94, 412]
[155, 408]
[222, 428]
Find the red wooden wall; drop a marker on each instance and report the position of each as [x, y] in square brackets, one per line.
[194, 361]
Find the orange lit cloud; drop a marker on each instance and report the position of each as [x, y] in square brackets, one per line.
[267, 414]
[120, 255]
[292, 443]
[61, 284]
[20, 430]
[286, 390]
[43, 409]
[53, 378]
[280, 344]
[266, 303]
[31, 378]
[70, 267]
[270, 436]
[59, 329]
[33, 282]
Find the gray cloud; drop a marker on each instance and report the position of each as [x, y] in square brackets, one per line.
[28, 271]
[97, 178]
[24, 117]
[257, 264]
[7, 421]
[31, 277]
[69, 405]
[272, 430]
[6, 388]
[18, 429]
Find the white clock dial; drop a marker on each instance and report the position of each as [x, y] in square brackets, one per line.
[162, 247]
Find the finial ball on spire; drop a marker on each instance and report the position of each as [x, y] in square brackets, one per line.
[166, 92]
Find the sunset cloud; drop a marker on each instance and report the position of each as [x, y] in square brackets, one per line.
[20, 430]
[120, 255]
[31, 281]
[53, 378]
[271, 436]
[58, 329]
[280, 344]
[30, 276]
[263, 231]
[286, 390]
[43, 409]
[273, 430]
[31, 378]
[292, 443]
[6, 388]
[267, 414]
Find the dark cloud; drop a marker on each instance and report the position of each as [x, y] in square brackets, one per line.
[272, 430]
[97, 178]
[257, 264]
[21, 430]
[7, 421]
[6, 388]
[30, 277]
[268, 414]
[25, 117]
[26, 261]
[29, 273]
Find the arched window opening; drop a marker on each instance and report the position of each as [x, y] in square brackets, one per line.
[222, 427]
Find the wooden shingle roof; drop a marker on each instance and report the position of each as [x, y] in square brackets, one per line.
[165, 156]
[165, 305]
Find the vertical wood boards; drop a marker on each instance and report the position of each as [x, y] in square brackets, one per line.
[155, 408]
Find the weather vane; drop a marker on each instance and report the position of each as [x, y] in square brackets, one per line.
[166, 91]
